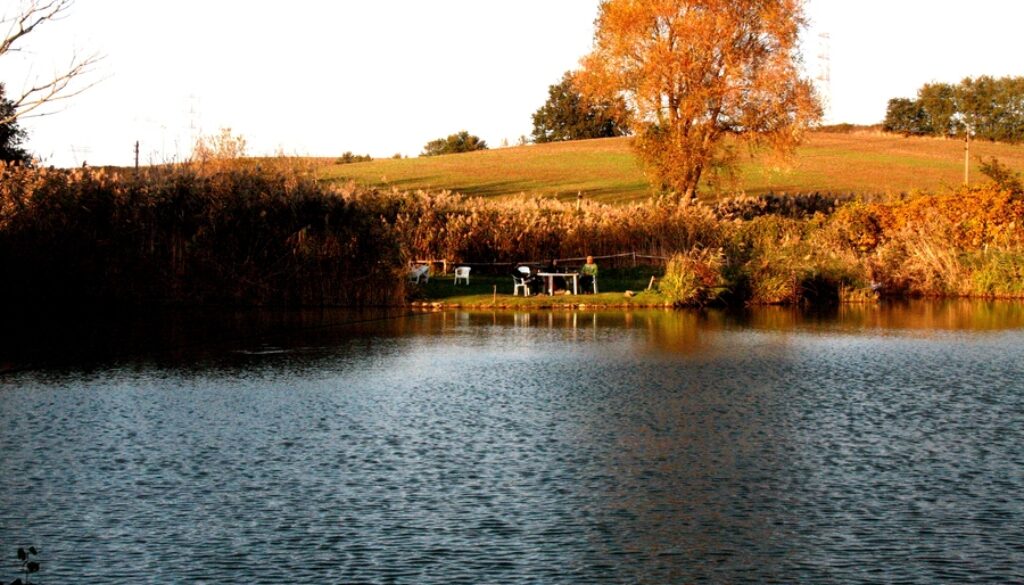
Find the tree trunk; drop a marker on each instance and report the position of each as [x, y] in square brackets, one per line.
[692, 181]
[690, 195]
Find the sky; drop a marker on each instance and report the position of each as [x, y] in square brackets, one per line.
[383, 77]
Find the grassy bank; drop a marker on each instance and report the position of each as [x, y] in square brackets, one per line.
[606, 170]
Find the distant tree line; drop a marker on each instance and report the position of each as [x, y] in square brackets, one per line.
[986, 107]
[846, 128]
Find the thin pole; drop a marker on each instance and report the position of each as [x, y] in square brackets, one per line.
[136, 155]
[967, 158]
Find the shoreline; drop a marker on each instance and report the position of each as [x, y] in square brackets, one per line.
[430, 306]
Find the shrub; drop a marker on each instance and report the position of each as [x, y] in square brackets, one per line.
[1004, 178]
[223, 146]
[349, 158]
[998, 273]
[455, 143]
[694, 278]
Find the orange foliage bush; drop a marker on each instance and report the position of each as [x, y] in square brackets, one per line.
[974, 219]
[934, 244]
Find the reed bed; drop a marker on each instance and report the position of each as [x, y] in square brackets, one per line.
[270, 233]
[189, 234]
[445, 225]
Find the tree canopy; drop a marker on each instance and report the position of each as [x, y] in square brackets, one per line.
[906, 116]
[11, 135]
[700, 77]
[455, 143]
[987, 107]
[570, 115]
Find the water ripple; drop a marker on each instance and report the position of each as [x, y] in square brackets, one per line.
[530, 451]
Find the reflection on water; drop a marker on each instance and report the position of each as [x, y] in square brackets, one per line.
[872, 444]
[952, 315]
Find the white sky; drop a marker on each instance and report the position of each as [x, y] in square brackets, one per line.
[323, 77]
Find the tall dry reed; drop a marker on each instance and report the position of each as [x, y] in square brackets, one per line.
[266, 232]
[186, 234]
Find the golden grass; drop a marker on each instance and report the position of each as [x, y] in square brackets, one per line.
[606, 170]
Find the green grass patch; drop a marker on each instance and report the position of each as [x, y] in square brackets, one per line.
[490, 290]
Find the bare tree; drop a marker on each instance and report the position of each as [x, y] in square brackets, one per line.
[63, 84]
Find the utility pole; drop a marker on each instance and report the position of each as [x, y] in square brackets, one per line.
[136, 156]
[193, 119]
[824, 76]
[967, 157]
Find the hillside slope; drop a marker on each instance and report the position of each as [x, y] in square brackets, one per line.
[606, 169]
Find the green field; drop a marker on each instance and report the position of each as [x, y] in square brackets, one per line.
[606, 170]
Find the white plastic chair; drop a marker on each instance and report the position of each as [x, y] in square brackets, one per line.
[418, 272]
[520, 282]
[462, 273]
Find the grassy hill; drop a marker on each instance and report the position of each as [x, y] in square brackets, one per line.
[606, 170]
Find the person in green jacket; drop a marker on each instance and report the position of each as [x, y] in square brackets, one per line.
[587, 275]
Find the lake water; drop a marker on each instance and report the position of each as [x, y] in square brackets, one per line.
[864, 445]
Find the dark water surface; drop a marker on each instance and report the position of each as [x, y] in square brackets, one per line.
[869, 445]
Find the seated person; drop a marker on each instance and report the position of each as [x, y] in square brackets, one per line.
[587, 275]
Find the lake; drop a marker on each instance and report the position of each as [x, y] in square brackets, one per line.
[864, 444]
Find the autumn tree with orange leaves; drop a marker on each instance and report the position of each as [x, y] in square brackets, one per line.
[702, 78]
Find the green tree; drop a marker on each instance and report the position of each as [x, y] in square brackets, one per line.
[993, 108]
[455, 143]
[569, 115]
[976, 102]
[906, 116]
[938, 100]
[11, 135]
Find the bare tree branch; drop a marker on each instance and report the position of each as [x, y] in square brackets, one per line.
[31, 16]
[59, 87]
